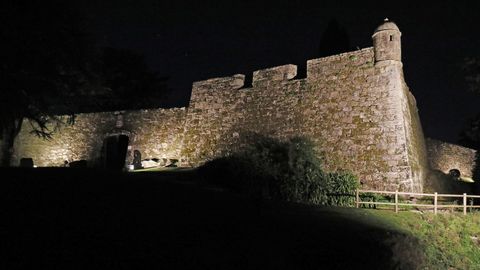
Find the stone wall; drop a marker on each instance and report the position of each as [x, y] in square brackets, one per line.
[444, 157]
[356, 107]
[222, 114]
[358, 118]
[356, 112]
[416, 146]
[155, 133]
[360, 115]
[83, 140]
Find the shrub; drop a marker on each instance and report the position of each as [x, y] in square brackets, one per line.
[286, 170]
[340, 188]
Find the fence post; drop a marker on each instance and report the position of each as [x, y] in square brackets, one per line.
[435, 199]
[396, 201]
[464, 203]
[357, 198]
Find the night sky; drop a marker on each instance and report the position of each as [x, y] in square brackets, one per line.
[190, 41]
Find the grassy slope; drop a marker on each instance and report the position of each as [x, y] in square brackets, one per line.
[449, 239]
[68, 219]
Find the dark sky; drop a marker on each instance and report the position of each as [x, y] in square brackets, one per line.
[190, 41]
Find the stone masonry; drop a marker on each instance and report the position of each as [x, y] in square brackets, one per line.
[444, 157]
[355, 106]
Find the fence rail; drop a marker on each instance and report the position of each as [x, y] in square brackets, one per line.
[411, 195]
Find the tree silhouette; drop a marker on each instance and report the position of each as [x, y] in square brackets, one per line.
[471, 69]
[49, 66]
[131, 83]
[470, 136]
[334, 40]
[43, 52]
[122, 80]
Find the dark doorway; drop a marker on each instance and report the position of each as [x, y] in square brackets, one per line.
[115, 151]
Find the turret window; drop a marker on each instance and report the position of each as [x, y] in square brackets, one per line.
[391, 38]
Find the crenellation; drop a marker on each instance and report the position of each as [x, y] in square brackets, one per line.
[214, 89]
[274, 74]
[231, 82]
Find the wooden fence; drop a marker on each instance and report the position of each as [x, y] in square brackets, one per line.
[396, 204]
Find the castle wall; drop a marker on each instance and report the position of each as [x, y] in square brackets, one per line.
[444, 157]
[355, 107]
[83, 140]
[359, 114]
[353, 110]
[359, 119]
[222, 114]
[155, 133]
[415, 139]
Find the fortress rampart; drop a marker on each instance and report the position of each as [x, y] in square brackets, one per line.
[355, 107]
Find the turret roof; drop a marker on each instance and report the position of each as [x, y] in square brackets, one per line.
[387, 25]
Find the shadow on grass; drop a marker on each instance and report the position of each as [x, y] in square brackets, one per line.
[83, 219]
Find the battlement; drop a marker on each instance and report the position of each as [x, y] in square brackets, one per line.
[278, 73]
[315, 68]
[237, 81]
[318, 66]
[230, 82]
[365, 51]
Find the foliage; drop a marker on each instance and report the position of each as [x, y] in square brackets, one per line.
[286, 170]
[470, 136]
[50, 66]
[43, 54]
[471, 68]
[334, 40]
[343, 184]
[128, 81]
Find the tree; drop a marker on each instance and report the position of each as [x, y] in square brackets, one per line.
[50, 67]
[121, 80]
[470, 137]
[43, 52]
[334, 40]
[471, 68]
[129, 80]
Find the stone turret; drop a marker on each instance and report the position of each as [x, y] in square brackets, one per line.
[387, 43]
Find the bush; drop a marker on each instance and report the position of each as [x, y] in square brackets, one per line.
[288, 170]
[341, 188]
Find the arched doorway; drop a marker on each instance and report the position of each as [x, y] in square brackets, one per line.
[115, 151]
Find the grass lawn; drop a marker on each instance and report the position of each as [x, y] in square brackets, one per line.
[449, 240]
[73, 219]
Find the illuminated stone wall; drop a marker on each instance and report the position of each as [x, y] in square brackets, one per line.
[156, 133]
[222, 113]
[444, 157]
[83, 140]
[358, 111]
[363, 120]
[361, 116]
